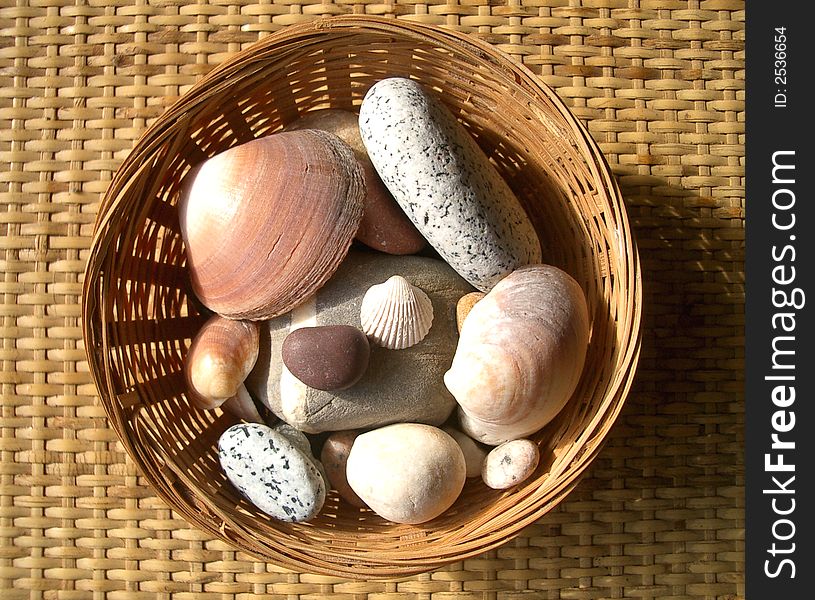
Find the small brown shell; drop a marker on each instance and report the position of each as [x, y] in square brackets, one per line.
[220, 357]
[267, 222]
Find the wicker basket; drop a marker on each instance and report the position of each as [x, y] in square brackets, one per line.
[139, 317]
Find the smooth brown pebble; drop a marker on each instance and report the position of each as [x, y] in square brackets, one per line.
[332, 357]
[465, 305]
[510, 463]
[334, 457]
[474, 453]
[272, 472]
[384, 226]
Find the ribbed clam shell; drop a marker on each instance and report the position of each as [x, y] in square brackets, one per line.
[267, 222]
[520, 354]
[396, 314]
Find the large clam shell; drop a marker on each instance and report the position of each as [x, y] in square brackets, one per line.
[396, 314]
[520, 354]
[267, 222]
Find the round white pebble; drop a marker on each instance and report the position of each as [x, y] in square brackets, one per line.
[510, 463]
[406, 472]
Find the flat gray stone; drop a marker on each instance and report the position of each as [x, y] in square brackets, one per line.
[399, 385]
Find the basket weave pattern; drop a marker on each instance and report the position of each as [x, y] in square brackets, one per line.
[660, 86]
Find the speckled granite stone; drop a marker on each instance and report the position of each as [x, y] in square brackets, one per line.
[271, 472]
[334, 457]
[445, 183]
[465, 305]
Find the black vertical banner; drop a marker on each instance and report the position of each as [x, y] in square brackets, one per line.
[780, 340]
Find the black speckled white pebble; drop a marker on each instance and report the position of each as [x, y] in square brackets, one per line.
[445, 183]
[272, 472]
[301, 441]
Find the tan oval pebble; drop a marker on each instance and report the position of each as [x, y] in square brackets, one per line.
[474, 454]
[464, 305]
[334, 457]
[407, 472]
[510, 463]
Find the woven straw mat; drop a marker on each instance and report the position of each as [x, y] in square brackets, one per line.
[660, 85]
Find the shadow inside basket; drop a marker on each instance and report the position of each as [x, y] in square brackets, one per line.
[153, 315]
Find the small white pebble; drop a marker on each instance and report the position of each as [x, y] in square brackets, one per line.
[510, 463]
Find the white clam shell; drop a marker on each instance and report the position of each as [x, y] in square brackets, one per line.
[520, 354]
[396, 314]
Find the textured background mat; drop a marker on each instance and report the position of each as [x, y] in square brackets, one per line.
[661, 86]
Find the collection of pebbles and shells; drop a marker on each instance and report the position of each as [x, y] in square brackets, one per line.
[417, 372]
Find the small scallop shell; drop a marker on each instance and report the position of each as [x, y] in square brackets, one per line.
[396, 314]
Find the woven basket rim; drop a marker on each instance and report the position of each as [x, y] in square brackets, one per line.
[155, 136]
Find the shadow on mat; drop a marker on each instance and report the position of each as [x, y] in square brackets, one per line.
[665, 494]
